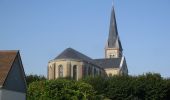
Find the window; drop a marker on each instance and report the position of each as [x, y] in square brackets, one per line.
[75, 72]
[60, 71]
[111, 55]
[84, 71]
[95, 71]
[110, 74]
[100, 72]
[89, 70]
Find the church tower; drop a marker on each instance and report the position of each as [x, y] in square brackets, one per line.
[113, 48]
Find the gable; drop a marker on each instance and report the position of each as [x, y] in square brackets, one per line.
[6, 61]
[15, 80]
[124, 68]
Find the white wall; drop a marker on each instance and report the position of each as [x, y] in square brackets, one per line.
[11, 95]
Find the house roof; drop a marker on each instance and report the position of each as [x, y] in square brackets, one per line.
[70, 53]
[6, 60]
[109, 63]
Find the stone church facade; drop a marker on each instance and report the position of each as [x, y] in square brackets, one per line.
[73, 64]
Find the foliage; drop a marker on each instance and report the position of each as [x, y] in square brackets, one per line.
[60, 89]
[144, 87]
[33, 78]
[150, 86]
[99, 84]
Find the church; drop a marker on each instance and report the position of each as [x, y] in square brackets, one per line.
[73, 64]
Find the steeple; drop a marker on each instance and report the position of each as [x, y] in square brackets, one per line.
[113, 46]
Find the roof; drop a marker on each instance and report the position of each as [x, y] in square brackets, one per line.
[108, 63]
[6, 60]
[113, 39]
[70, 53]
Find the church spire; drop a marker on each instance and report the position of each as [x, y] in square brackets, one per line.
[113, 39]
[113, 33]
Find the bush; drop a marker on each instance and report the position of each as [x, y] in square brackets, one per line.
[60, 89]
[144, 87]
[150, 86]
[33, 78]
[98, 83]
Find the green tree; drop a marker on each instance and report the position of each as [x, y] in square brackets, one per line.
[60, 89]
[99, 84]
[32, 78]
[150, 86]
[119, 88]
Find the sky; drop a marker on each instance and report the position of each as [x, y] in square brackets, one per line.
[42, 29]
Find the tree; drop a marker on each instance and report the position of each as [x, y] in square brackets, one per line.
[150, 86]
[99, 84]
[33, 78]
[60, 89]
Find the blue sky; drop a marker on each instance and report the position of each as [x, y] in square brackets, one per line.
[41, 29]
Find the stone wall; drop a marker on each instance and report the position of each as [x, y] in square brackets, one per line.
[83, 69]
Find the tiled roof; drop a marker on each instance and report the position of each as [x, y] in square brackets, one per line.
[6, 60]
[108, 63]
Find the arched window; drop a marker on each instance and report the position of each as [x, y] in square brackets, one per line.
[100, 72]
[60, 71]
[89, 70]
[84, 71]
[75, 72]
[95, 71]
[110, 74]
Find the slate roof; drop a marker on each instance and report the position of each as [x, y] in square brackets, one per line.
[109, 63]
[113, 39]
[6, 60]
[70, 53]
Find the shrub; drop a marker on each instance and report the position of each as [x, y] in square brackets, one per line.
[33, 78]
[144, 87]
[60, 89]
